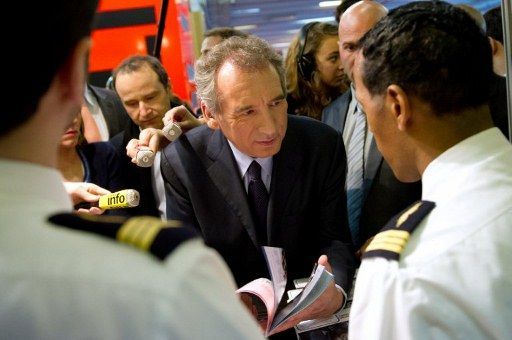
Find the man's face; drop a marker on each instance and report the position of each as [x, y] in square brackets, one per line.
[144, 97]
[350, 30]
[252, 112]
[208, 43]
[394, 145]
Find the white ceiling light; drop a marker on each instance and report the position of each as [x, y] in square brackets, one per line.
[245, 27]
[322, 19]
[329, 3]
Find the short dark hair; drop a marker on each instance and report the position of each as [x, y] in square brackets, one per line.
[432, 50]
[54, 28]
[342, 7]
[136, 62]
[494, 26]
[225, 32]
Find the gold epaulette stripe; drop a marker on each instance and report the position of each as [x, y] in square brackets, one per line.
[140, 231]
[391, 240]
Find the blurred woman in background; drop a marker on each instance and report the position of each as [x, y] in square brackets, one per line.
[313, 70]
[79, 161]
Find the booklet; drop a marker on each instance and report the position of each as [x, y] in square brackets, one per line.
[265, 297]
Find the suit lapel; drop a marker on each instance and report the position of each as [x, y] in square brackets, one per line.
[345, 102]
[224, 173]
[285, 169]
[372, 164]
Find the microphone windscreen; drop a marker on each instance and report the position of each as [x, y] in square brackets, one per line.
[145, 158]
[171, 131]
[121, 199]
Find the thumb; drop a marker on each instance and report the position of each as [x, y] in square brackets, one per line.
[324, 261]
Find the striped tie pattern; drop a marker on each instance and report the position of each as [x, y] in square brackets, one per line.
[355, 174]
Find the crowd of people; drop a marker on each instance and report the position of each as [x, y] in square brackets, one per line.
[378, 145]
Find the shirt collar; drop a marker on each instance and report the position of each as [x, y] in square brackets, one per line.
[445, 173]
[33, 184]
[243, 161]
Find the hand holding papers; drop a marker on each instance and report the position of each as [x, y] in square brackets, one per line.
[264, 297]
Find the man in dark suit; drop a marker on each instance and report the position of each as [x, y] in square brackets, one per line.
[209, 173]
[383, 195]
[146, 93]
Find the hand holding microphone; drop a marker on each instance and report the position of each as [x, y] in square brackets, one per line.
[142, 150]
[182, 118]
[128, 198]
[82, 194]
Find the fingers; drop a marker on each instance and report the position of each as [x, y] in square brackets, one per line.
[182, 117]
[176, 114]
[132, 148]
[92, 211]
[324, 261]
[96, 189]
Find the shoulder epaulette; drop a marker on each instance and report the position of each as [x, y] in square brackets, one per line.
[150, 234]
[390, 242]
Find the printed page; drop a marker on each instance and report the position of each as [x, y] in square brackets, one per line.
[258, 296]
[276, 264]
[313, 290]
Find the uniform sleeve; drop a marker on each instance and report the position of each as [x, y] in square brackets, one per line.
[209, 307]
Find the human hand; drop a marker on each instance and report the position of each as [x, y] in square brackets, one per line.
[86, 192]
[149, 139]
[326, 305]
[183, 117]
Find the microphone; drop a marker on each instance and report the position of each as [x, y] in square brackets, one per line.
[145, 157]
[128, 198]
[172, 131]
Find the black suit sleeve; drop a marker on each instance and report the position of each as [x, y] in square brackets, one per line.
[336, 242]
[179, 205]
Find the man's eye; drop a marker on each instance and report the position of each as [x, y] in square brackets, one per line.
[276, 102]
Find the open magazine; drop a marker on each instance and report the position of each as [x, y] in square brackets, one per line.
[264, 297]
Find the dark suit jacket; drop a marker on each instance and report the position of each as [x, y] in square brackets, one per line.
[498, 104]
[112, 109]
[103, 168]
[385, 196]
[136, 177]
[307, 208]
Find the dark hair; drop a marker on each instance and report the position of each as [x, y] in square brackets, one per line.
[432, 50]
[54, 28]
[494, 26]
[225, 32]
[342, 7]
[136, 62]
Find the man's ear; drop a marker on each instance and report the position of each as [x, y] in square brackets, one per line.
[211, 119]
[494, 45]
[72, 74]
[399, 104]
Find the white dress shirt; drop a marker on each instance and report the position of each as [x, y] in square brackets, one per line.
[58, 283]
[243, 161]
[454, 278]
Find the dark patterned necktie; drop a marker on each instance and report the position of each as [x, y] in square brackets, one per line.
[258, 201]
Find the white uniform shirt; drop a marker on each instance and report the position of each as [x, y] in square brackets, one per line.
[57, 283]
[454, 279]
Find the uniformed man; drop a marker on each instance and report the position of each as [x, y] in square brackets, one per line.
[61, 283]
[440, 269]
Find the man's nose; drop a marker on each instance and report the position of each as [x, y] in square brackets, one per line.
[143, 109]
[268, 124]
